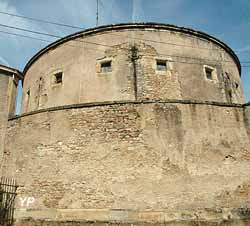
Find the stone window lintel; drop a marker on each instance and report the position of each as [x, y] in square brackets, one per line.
[169, 64]
[214, 77]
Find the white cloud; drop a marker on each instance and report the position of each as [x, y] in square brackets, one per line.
[137, 11]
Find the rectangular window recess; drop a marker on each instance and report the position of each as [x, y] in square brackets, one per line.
[209, 74]
[58, 77]
[161, 65]
[28, 92]
[106, 66]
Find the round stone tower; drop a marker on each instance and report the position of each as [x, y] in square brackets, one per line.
[131, 124]
[132, 62]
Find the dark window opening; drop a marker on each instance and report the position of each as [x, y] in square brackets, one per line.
[236, 85]
[27, 99]
[58, 77]
[209, 72]
[161, 65]
[106, 66]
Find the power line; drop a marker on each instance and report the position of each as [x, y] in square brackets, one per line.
[193, 58]
[31, 31]
[41, 21]
[51, 35]
[25, 36]
[57, 36]
[45, 40]
[97, 22]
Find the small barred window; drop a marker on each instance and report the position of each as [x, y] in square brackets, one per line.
[161, 65]
[58, 78]
[208, 72]
[106, 66]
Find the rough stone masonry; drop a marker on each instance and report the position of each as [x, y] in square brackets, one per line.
[148, 128]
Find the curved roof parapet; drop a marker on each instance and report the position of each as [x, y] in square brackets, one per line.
[11, 71]
[156, 26]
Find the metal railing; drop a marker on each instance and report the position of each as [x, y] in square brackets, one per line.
[8, 188]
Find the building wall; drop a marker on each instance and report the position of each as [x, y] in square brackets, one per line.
[8, 90]
[132, 145]
[4, 82]
[239, 222]
[247, 117]
[174, 158]
[132, 77]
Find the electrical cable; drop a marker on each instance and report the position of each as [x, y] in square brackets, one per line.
[42, 21]
[104, 45]
[82, 28]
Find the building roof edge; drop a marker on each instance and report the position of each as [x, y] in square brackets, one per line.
[10, 70]
[104, 28]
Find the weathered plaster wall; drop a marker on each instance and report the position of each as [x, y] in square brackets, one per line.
[8, 91]
[247, 117]
[79, 60]
[4, 82]
[135, 156]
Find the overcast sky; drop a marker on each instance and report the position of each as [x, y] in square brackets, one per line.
[228, 20]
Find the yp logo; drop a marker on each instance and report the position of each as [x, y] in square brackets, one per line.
[26, 201]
